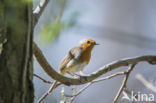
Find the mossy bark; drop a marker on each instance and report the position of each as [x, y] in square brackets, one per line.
[16, 69]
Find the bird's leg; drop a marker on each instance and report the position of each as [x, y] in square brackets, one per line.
[77, 76]
[80, 76]
[71, 74]
[74, 75]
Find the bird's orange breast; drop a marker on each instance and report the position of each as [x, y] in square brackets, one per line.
[86, 54]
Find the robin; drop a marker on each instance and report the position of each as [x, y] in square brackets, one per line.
[77, 58]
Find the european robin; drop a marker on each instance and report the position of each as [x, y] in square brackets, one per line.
[77, 58]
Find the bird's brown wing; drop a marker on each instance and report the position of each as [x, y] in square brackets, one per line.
[73, 53]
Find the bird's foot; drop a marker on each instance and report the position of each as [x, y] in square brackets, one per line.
[82, 77]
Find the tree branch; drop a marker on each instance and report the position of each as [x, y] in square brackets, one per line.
[124, 82]
[147, 84]
[106, 68]
[45, 81]
[89, 84]
[39, 10]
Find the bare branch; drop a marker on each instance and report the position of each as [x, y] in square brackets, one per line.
[147, 84]
[47, 93]
[109, 77]
[72, 81]
[45, 81]
[124, 82]
[39, 10]
[89, 84]
[49, 82]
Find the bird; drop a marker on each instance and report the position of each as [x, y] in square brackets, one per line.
[76, 59]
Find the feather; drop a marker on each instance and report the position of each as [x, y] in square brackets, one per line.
[74, 53]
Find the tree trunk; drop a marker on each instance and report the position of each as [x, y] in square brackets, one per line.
[16, 35]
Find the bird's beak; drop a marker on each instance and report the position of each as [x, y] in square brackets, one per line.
[96, 44]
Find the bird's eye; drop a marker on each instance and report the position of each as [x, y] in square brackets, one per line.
[88, 42]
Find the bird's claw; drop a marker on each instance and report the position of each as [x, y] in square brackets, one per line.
[82, 78]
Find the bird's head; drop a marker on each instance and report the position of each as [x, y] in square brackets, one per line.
[88, 44]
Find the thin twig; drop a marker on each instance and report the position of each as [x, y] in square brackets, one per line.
[72, 98]
[47, 93]
[124, 83]
[147, 84]
[43, 97]
[45, 81]
[39, 10]
[89, 84]
[109, 77]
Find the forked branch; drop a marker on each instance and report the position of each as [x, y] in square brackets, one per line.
[106, 68]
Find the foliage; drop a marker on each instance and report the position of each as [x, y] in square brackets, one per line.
[54, 28]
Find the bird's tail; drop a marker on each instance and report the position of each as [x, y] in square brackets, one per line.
[53, 86]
